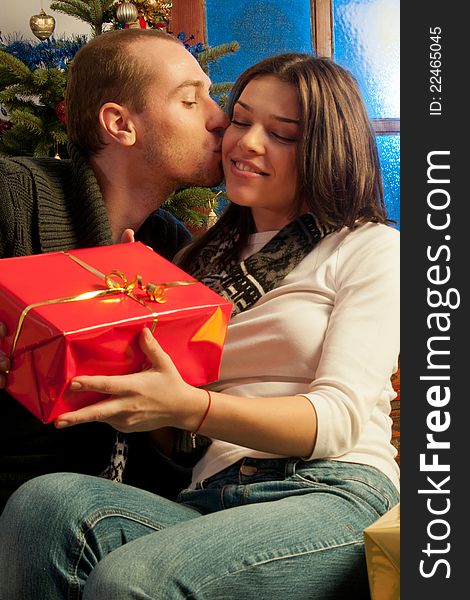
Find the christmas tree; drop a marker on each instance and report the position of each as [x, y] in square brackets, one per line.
[33, 77]
[94, 12]
[32, 85]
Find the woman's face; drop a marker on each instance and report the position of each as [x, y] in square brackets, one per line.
[259, 151]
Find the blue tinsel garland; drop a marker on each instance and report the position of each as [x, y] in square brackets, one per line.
[46, 54]
[59, 52]
[194, 49]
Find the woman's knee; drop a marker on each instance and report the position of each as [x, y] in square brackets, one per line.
[116, 578]
[158, 565]
[41, 498]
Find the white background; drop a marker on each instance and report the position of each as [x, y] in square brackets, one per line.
[15, 15]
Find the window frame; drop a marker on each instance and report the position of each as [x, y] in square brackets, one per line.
[321, 21]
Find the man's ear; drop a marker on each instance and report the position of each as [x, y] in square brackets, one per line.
[117, 123]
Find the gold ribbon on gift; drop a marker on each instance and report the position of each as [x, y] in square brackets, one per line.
[116, 283]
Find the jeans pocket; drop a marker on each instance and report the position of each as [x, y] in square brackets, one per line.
[369, 486]
[380, 495]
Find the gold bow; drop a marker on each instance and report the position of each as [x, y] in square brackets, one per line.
[116, 283]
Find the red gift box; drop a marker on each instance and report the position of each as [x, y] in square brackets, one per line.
[80, 313]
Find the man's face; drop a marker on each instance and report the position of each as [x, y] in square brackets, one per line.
[180, 130]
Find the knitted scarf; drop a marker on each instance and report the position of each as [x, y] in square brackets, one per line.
[246, 282]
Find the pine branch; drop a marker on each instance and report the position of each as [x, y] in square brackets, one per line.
[92, 12]
[43, 148]
[98, 10]
[188, 216]
[192, 197]
[49, 84]
[58, 134]
[187, 204]
[74, 8]
[10, 94]
[6, 78]
[211, 54]
[223, 99]
[224, 86]
[20, 103]
[17, 141]
[15, 66]
[24, 92]
[27, 119]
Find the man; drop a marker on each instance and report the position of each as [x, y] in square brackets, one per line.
[141, 124]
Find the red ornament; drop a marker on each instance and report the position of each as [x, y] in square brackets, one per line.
[60, 112]
[4, 126]
[141, 23]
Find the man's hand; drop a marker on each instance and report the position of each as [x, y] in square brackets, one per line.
[4, 361]
[127, 236]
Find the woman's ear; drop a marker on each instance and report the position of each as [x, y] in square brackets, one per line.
[117, 123]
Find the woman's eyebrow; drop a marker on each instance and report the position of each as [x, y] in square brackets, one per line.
[272, 116]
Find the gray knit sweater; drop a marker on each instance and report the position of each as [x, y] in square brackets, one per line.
[50, 205]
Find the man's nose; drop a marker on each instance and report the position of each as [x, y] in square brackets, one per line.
[218, 120]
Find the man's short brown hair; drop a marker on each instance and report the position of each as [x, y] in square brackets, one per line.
[107, 69]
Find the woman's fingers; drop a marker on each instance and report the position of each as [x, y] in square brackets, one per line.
[104, 411]
[158, 358]
[115, 385]
[137, 401]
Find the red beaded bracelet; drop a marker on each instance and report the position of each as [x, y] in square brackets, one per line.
[194, 433]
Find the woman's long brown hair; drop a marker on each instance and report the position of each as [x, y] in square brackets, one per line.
[338, 169]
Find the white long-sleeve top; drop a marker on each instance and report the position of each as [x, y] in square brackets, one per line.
[330, 332]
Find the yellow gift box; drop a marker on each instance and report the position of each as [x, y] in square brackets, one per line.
[382, 541]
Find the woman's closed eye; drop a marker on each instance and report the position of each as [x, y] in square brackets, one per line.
[239, 123]
[277, 135]
[283, 138]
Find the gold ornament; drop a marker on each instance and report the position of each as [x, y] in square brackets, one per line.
[155, 12]
[42, 25]
[212, 216]
[127, 12]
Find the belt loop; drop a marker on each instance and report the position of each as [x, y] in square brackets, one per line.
[290, 466]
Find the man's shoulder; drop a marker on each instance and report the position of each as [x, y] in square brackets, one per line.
[9, 164]
[167, 219]
[164, 233]
[31, 166]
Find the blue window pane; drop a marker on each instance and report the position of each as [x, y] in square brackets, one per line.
[261, 28]
[366, 41]
[389, 154]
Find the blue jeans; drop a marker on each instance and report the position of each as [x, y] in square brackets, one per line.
[260, 529]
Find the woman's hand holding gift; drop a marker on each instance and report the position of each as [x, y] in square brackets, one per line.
[154, 398]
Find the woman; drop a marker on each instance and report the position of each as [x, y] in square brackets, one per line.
[300, 460]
